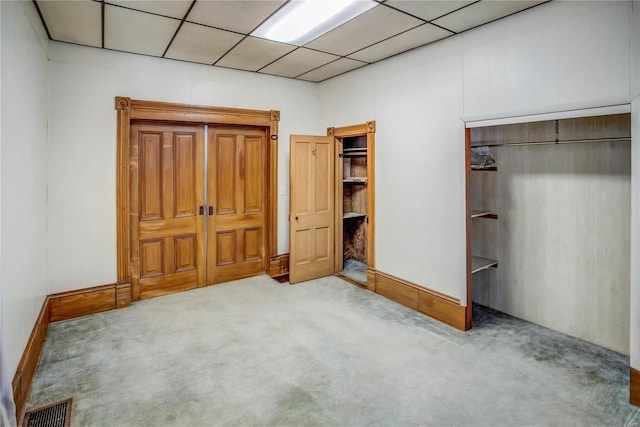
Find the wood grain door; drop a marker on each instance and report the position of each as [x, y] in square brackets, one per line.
[312, 207]
[168, 240]
[236, 194]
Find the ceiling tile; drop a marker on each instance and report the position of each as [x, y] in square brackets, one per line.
[172, 8]
[332, 69]
[73, 21]
[197, 43]
[372, 26]
[422, 35]
[137, 32]
[254, 53]
[298, 62]
[428, 10]
[234, 15]
[481, 13]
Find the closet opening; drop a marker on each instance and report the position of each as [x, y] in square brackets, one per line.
[548, 224]
[354, 203]
[354, 208]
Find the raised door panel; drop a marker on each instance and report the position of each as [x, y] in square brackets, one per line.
[151, 257]
[185, 248]
[252, 244]
[302, 248]
[253, 173]
[323, 154]
[226, 170]
[184, 175]
[226, 247]
[302, 195]
[323, 243]
[151, 191]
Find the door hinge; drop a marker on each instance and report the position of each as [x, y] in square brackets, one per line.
[210, 210]
[201, 210]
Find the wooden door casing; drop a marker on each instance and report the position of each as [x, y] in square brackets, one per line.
[130, 111]
[312, 208]
[237, 199]
[167, 189]
[368, 129]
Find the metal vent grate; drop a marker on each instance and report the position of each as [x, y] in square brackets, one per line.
[281, 279]
[55, 415]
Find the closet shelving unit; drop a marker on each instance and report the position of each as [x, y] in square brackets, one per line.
[479, 263]
[489, 238]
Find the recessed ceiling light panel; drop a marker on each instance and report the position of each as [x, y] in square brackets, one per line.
[300, 21]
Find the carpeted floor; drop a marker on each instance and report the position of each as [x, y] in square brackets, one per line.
[324, 352]
[355, 270]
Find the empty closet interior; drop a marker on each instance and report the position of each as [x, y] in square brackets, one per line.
[354, 189]
[549, 224]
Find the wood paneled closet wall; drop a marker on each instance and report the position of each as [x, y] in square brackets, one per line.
[549, 225]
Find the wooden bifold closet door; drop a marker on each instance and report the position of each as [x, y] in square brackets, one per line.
[180, 239]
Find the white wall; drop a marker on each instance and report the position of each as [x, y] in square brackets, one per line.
[558, 56]
[23, 182]
[416, 100]
[82, 143]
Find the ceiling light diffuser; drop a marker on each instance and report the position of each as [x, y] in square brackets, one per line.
[300, 21]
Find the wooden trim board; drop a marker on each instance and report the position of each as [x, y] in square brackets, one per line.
[62, 306]
[634, 386]
[30, 359]
[133, 109]
[279, 265]
[427, 301]
[82, 302]
[468, 315]
[368, 129]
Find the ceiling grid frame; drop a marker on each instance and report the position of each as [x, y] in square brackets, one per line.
[369, 48]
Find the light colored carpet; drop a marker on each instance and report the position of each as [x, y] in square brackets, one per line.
[355, 270]
[324, 352]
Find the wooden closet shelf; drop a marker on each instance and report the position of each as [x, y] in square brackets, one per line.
[484, 214]
[349, 215]
[355, 180]
[353, 152]
[479, 263]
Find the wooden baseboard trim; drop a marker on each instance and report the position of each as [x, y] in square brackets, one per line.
[279, 265]
[427, 301]
[371, 279]
[82, 302]
[62, 306]
[30, 358]
[634, 387]
[123, 294]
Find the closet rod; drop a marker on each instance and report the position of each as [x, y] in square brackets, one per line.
[567, 141]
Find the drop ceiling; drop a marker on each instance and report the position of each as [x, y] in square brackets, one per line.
[217, 32]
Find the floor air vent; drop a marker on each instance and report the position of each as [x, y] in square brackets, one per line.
[55, 415]
[281, 279]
